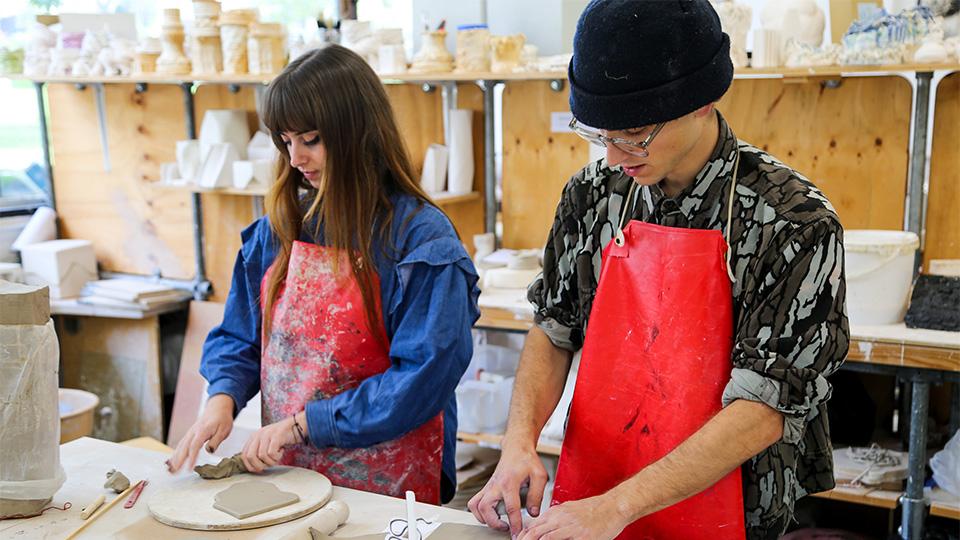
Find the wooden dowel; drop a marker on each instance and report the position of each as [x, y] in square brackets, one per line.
[101, 512]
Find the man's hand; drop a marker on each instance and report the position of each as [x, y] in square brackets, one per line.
[213, 426]
[516, 467]
[265, 447]
[595, 518]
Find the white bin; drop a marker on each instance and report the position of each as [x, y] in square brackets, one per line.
[879, 271]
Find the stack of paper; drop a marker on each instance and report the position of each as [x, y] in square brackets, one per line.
[130, 294]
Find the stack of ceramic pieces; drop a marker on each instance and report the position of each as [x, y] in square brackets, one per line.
[147, 55]
[735, 19]
[234, 29]
[433, 56]
[172, 61]
[505, 52]
[766, 48]
[67, 52]
[473, 48]
[205, 46]
[390, 40]
[887, 39]
[36, 59]
[265, 49]
[90, 47]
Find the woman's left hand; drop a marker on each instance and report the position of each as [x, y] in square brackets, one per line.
[265, 447]
[595, 518]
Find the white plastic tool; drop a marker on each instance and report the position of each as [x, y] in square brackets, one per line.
[411, 515]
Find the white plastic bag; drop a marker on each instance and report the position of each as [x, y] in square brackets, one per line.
[946, 466]
[29, 413]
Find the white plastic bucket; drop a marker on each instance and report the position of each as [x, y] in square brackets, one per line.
[879, 271]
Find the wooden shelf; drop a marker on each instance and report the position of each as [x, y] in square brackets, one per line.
[896, 345]
[501, 319]
[841, 71]
[441, 199]
[779, 72]
[877, 498]
[942, 504]
[152, 78]
[193, 188]
[550, 448]
[73, 307]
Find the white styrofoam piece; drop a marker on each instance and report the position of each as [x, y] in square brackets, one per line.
[217, 169]
[63, 265]
[242, 174]
[252, 172]
[12, 272]
[434, 176]
[169, 173]
[263, 171]
[392, 59]
[188, 159]
[513, 300]
[224, 126]
[509, 278]
[261, 147]
[42, 227]
[460, 173]
[482, 407]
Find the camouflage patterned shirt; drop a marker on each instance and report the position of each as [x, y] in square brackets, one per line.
[790, 324]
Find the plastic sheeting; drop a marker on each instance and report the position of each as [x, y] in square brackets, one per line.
[29, 413]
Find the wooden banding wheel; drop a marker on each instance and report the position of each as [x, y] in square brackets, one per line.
[187, 503]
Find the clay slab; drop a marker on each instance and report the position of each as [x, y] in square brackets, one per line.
[247, 499]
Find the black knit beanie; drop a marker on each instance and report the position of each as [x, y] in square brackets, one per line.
[640, 62]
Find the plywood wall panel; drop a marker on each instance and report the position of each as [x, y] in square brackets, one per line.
[224, 216]
[943, 212]
[135, 227]
[852, 141]
[536, 162]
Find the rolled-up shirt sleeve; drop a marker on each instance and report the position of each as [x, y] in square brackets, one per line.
[554, 294]
[793, 333]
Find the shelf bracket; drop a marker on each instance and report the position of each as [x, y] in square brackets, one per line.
[102, 118]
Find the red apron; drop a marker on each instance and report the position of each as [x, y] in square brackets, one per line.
[319, 346]
[656, 358]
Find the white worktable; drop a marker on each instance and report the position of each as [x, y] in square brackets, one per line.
[87, 460]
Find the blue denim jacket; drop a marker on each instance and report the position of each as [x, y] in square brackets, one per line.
[429, 297]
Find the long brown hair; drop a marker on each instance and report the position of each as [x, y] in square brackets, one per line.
[333, 91]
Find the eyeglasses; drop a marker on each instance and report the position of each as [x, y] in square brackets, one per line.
[624, 145]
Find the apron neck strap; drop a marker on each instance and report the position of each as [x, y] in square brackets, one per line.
[627, 210]
[729, 224]
[731, 197]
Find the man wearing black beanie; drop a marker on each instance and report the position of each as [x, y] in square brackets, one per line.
[712, 278]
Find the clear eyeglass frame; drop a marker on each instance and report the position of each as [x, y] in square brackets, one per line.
[634, 148]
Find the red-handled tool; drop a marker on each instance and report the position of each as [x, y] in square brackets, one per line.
[136, 494]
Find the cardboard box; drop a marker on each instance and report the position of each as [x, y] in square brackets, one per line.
[63, 265]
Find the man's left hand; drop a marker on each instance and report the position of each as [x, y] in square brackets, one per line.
[595, 518]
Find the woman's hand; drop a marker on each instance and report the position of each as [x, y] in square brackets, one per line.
[213, 426]
[265, 447]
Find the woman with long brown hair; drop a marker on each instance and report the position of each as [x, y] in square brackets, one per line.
[352, 301]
